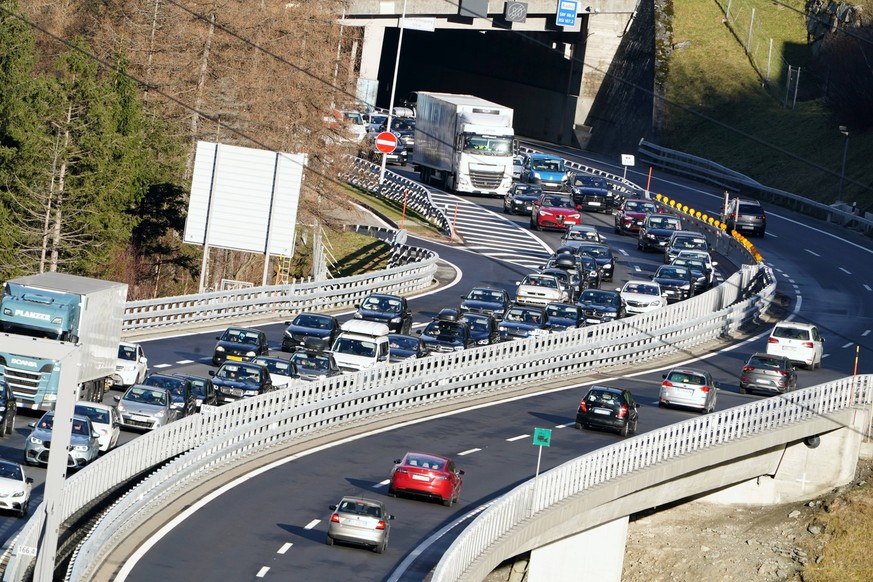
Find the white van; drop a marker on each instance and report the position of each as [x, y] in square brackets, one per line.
[361, 344]
[799, 342]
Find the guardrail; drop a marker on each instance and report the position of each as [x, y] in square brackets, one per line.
[206, 445]
[365, 175]
[704, 170]
[476, 551]
[414, 270]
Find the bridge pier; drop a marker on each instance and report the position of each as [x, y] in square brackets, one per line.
[371, 55]
[560, 560]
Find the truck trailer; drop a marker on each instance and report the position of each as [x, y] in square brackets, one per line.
[463, 143]
[62, 308]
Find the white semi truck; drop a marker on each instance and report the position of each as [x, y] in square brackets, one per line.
[63, 308]
[464, 143]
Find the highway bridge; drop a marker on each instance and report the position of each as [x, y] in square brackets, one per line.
[280, 504]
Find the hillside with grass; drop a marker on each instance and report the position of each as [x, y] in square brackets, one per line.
[720, 107]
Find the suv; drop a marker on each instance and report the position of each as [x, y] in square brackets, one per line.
[392, 310]
[180, 389]
[656, 231]
[447, 332]
[799, 342]
[745, 216]
[546, 170]
[608, 408]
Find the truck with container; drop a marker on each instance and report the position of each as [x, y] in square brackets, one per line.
[463, 143]
[63, 308]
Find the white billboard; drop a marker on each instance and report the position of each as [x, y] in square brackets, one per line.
[244, 199]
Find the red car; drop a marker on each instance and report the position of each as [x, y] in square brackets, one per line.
[554, 211]
[630, 215]
[427, 475]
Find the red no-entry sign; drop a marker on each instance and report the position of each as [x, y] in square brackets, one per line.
[386, 142]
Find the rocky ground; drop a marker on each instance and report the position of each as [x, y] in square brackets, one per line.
[697, 541]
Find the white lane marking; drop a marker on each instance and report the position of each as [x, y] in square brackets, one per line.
[163, 365]
[185, 362]
[812, 253]
[848, 345]
[624, 252]
[846, 271]
[468, 452]
[262, 572]
[517, 438]
[563, 425]
[637, 269]
[866, 333]
[867, 287]
[823, 356]
[381, 483]
[312, 524]
[285, 547]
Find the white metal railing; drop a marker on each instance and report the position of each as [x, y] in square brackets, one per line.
[584, 473]
[207, 444]
[415, 269]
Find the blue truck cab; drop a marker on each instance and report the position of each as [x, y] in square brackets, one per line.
[42, 313]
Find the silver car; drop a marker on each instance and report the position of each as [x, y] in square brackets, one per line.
[146, 407]
[359, 521]
[688, 388]
[84, 443]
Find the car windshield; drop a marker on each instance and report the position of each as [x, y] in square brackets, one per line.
[686, 378]
[403, 343]
[664, 223]
[280, 367]
[548, 165]
[490, 145]
[238, 373]
[360, 508]
[311, 321]
[127, 353]
[400, 124]
[540, 281]
[594, 251]
[239, 336]
[563, 311]
[174, 385]
[750, 209]
[791, 333]
[445, 330]
[602, 398]
[426, 463]
[691, 264]
[640, 288]
[672, 273]
[485, 295]
[355, 347]
[528, 316]
[763, 362]
[384, 304]
[558, 202]
[99, 415]
[690, 243]
[573, 234]
[598, 298]
[311, 362]
[637, 206]
[198, 387]
[10, 471]
[477, 323]
[147, 396]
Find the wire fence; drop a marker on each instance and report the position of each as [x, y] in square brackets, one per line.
[772, 37]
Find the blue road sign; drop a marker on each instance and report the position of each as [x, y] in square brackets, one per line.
[567, 10]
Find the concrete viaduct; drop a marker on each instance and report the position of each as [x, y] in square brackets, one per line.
[550, 74]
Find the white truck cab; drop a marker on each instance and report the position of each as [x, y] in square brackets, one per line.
[361, 345]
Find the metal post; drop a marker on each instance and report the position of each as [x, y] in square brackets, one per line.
[393, 88]
[769, 57]
[727, 13]
[749, 42]
[536, 480]
[845, 131]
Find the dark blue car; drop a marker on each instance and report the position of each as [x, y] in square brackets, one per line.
[309, 325]
[485, 300]
[448, 332]
[237, 380]
[521, 322]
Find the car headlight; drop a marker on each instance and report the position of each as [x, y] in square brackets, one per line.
[251, 354]
[607, 267]
[219, 348]
[686, 287]
[80, 448]
[288, 334]
[2, 408]
[536, 176]
[482, 342]
[18, 493]
[104, 432]
[395, 320]
[545, 213]
[119, 407]
[35, 441]
[576, 216]
[502, 328]
[176, 405]
[358, 316]
[651, 236]
[50, 397]
[160, 414]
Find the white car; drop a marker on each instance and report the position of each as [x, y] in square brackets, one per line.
[14, 488]
[536, 289]
[281, 371]
[642, 296]
[132, 366]
[799, 342]
[105, 421]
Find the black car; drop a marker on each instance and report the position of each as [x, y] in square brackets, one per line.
[404, 129]
[568, 278]
[8, 409]
[485, 300]
[483, 328]
[521, 322]
[392, 310]
[447, 332]
[592, 270]
[601, 306]
[698, 270]
[580, 276]
[676, 282]
[602, 254]
[563, 316]
[240, 344]
[405, 347]
[520, 198]
[314, 363]
[608, 408]
[309, 325]
[592, 199]
[237, 380]
[399, 155]
[180, 389]
[203, 388]
[656, 231]
[684, 241]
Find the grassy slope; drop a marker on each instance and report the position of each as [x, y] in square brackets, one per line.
[731, 119]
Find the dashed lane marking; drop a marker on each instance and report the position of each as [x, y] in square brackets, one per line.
[285, 547]
[381, 483]
[185, 362]
[848, 345]
[262, 572]
[564, 425]
[846, 271]
[312, 524]
[163, 365]
[517, 438]
[468, 452]
[812, 253]
[867, 287]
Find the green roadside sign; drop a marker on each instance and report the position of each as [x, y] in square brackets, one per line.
[542, 437]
